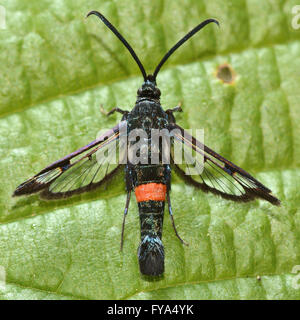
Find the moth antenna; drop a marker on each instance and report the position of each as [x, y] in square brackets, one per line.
[121, 38]
[181, 42]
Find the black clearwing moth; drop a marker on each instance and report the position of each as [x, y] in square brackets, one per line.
[84, 169]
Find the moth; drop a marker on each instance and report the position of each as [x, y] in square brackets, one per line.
[85, 169]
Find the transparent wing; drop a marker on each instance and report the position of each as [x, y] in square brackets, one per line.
[209, 171]
[83, 170]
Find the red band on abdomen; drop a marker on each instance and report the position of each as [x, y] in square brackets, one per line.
[151, 191]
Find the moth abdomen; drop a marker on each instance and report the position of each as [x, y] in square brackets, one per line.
[151, 256]
[151, 250]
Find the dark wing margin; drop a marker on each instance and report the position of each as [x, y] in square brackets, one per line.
[217, 174]
[82, 170]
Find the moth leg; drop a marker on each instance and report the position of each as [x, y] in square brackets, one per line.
[172, 219]
[102, 110]
[176, 109]
[170, 112]
[124, 112]
[124, 217]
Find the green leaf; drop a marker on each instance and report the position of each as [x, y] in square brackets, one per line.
[57, 68]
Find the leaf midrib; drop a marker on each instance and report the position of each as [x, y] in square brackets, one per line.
[135, 75]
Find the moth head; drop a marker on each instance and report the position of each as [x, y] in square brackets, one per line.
[149, 89]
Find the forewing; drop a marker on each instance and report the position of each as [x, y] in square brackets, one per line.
[82, 170]
[211, 172]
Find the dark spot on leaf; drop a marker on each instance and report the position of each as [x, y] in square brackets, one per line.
[225, 73]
